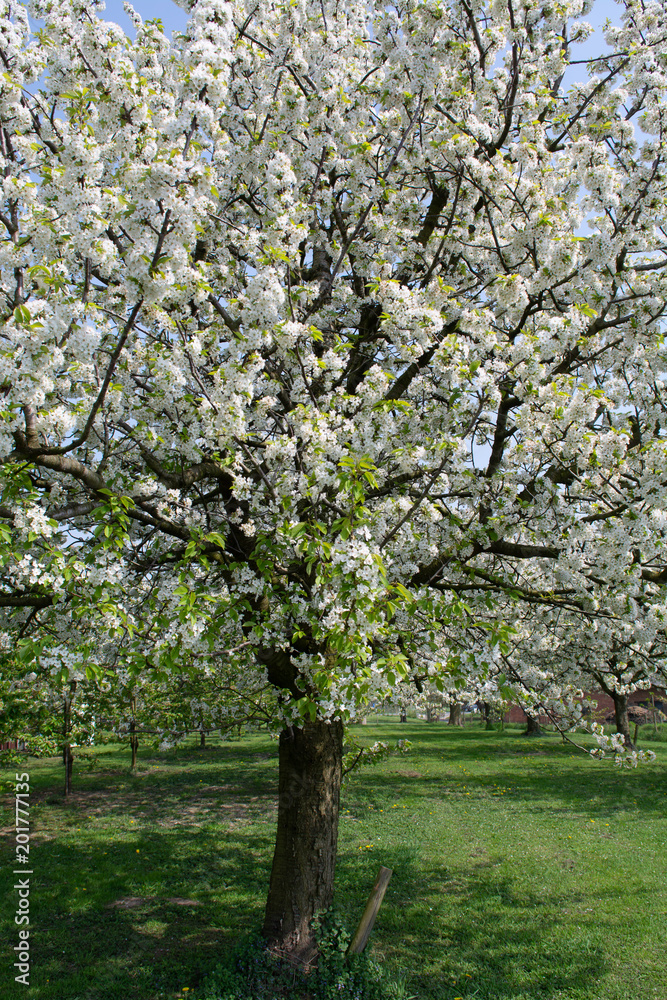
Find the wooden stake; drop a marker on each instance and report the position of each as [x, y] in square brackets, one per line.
[363, 932]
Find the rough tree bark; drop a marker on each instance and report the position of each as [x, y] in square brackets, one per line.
[455, 714]
[134, 739]
[68, 760]
[621, 703]
[67, 729]
[304, 860]
[486, 708]
[533, 727]
[621, 716]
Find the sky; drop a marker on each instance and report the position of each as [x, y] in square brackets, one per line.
[174, 18]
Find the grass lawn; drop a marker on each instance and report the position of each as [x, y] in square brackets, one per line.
[522, 869]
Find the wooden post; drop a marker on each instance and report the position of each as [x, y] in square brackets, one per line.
[363, 931]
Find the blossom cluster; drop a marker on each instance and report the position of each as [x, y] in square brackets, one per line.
[333, 338]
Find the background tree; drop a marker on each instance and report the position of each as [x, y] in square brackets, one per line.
[28, 712]
[304, 349]
[564, 662]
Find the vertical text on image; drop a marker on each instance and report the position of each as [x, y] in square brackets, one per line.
[22, 885]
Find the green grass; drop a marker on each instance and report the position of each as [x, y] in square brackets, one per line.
[523, 870]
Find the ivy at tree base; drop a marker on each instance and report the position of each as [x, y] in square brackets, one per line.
[251, 972]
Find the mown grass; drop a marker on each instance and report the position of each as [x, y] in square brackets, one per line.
[523, 870]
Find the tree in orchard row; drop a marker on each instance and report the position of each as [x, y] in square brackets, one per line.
[560, 660]
[103, 701]
[308, 358]
[46, 717]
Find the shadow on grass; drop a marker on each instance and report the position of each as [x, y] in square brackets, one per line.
[191, 778]
[116, 920]
[172, 864]
[481, 936]
[122, 914]
[539, 770]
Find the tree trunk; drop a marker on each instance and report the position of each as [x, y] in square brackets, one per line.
[202, 738]
[67, 753]
[621, 715]
[134, 739]
[533, 727]
[486, 708]
[403, 716]
[67, 709]
[455, 714]
[67, 728]
[304, 860]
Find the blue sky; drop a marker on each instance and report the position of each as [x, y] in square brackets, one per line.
[174, 17]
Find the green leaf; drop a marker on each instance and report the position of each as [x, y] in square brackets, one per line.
[216, 538]
[405, 594]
